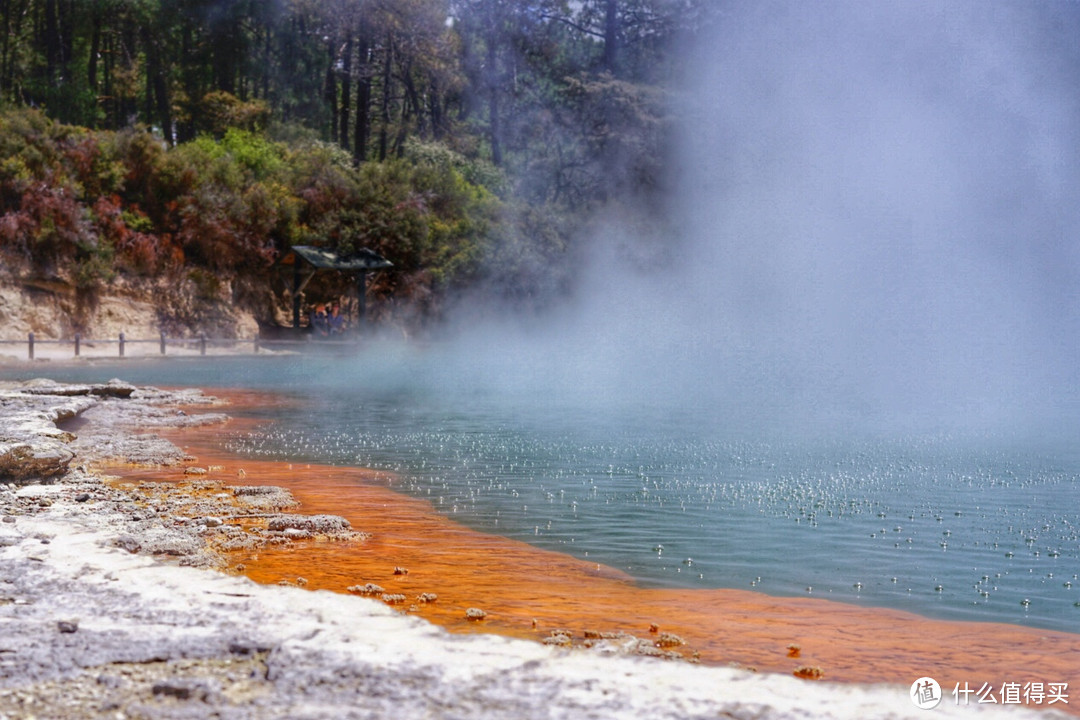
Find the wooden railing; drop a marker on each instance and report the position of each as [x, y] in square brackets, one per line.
[77, 342]
[199, 343]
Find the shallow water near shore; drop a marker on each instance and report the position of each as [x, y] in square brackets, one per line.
[981, 525]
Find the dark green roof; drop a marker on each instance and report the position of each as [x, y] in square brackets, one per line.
[322, 259]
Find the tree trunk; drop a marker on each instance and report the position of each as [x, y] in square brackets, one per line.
[346, 93]
[330, 91]
[363, 104]
[95, 49]
[158, 106]
[151, 66]
[384, 130]
[494, 125]
[435, 110]
[19, 12]
[128, 105]
[107, 91]
[402, 129]
[5, 41]
[186, 129]
[611, 37]
[267, 54]
[227, 47]
[66, 20]
[14, 12]
[415, 104]
[52, 41]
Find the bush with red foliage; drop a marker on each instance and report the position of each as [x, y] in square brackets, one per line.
[84, 206]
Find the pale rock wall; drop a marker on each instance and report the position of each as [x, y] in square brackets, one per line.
[55, 311]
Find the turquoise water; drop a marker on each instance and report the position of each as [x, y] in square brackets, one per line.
[976, 524]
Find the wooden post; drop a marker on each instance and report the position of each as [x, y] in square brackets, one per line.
[162, 342]
[202, 344]
[361, 302]
[30, 345]
[121, 344]
[78, 342]
[296, 290]
[256, 344]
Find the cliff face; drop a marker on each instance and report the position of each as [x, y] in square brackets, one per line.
[53, 308]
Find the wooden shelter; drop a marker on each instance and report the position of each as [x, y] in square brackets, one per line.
[306, 260]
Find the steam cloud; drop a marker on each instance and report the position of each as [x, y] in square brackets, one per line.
[878, 224]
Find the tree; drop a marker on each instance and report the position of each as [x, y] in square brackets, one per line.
[561, 100]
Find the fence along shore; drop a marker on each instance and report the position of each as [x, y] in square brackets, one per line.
[200, 343]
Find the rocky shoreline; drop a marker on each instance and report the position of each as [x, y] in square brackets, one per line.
[110, 605]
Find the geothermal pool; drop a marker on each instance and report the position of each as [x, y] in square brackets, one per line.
[961, 524]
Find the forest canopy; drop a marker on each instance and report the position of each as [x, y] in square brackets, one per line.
[468, 141]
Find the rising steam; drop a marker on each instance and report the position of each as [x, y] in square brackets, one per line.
[877, 223]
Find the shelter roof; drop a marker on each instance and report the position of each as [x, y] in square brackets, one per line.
[361, 260]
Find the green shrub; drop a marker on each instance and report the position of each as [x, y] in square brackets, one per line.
[87, 205]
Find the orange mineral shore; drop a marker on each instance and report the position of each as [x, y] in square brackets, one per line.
[528, 592]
